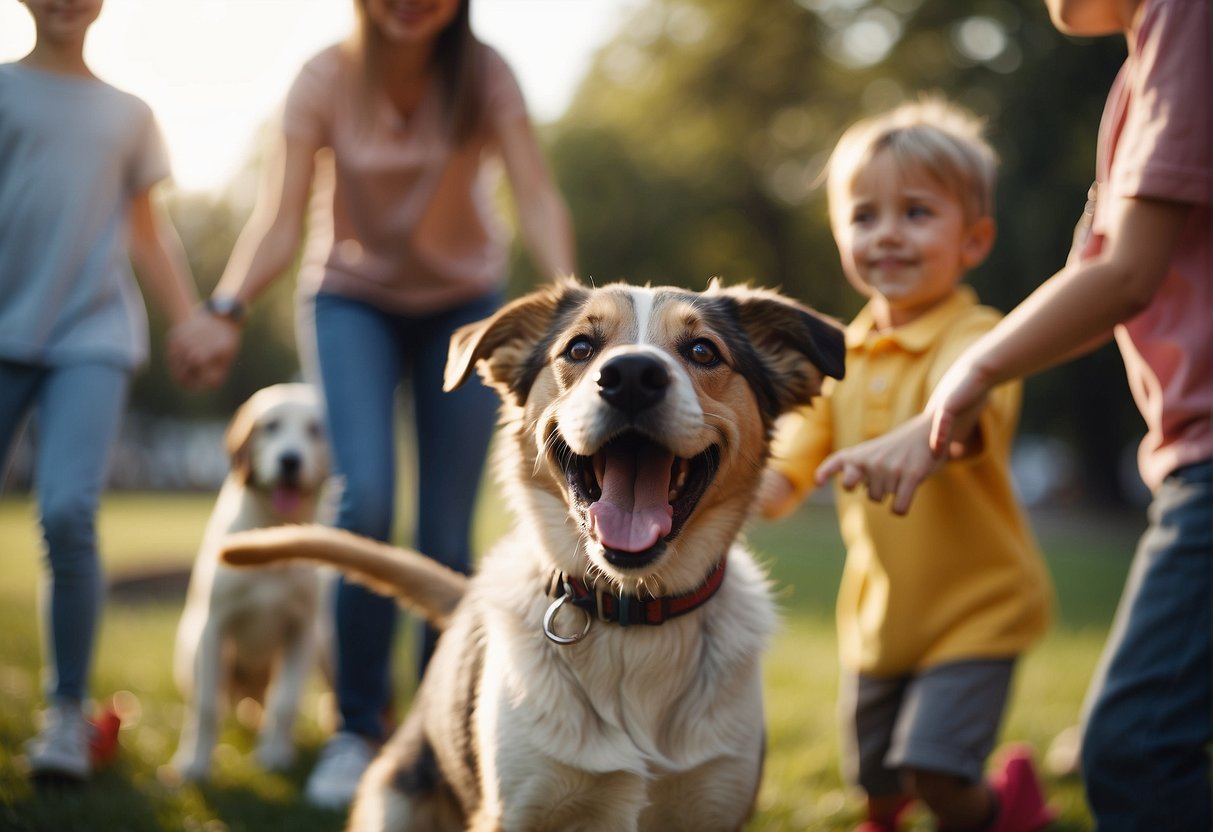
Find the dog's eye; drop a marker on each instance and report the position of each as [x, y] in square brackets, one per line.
[313, 430]
[271, 426]
[580, 350]
[702, 352]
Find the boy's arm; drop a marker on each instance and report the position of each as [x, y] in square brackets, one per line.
[897, 462]
[1076, 307]
[159, 259]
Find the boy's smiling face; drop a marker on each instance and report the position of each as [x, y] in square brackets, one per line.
[904, 239]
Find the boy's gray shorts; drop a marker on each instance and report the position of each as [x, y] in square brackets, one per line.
[945, 719]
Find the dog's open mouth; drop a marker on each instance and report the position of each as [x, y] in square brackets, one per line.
[286, 498]
[634, 494]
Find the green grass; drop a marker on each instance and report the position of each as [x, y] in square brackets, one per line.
[801, 789]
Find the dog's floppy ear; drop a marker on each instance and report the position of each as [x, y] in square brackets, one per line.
[798, 346]
[237, 440]
[507, 347]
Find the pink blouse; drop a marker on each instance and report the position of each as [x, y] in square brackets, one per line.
[399, 218]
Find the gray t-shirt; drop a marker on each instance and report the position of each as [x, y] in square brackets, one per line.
[73, 153]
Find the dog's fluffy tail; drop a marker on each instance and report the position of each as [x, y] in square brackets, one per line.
[422, 584]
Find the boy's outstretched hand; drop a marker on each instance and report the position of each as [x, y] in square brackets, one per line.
[897, 462]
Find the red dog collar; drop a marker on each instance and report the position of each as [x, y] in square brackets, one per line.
[626, 610]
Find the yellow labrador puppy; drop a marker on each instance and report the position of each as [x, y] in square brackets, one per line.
[240, 627]
[601, 671]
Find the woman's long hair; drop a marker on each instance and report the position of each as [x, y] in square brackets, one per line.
[459, 61]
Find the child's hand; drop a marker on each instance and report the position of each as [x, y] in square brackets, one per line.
[895, 463]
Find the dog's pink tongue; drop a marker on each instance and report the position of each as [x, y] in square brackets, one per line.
[634, 510]
[286, 501]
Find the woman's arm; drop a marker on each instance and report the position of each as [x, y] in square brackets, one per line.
[543, 216]
[265, 249]
[270, 240]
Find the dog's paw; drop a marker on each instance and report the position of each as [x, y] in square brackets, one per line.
[275, 754]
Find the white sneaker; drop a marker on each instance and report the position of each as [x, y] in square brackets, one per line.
[61, 747]
[334, 780]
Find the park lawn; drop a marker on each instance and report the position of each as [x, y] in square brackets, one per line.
[801, 789]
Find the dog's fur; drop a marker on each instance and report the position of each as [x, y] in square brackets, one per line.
[240, 629]
[611, 397]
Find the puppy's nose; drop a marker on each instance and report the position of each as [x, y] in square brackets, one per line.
[289, 464]
[633, 383]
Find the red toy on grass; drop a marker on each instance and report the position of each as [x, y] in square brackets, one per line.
[103, 744]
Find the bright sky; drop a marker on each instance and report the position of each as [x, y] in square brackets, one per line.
[213, 70]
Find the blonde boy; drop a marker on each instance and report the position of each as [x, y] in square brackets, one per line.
[934, 607]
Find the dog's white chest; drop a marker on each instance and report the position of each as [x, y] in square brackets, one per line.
[287, 591]
[629, 707]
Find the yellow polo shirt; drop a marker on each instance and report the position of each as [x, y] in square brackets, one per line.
[958, 577]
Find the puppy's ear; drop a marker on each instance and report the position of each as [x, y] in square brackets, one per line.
[237, 440]
[798, 346]
[508, 348]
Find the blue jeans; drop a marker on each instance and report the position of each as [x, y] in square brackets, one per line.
[1145, 756]
[363, 355]
[77, 412]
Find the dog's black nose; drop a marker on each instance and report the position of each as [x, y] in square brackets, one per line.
[289, 464]
[633, 383]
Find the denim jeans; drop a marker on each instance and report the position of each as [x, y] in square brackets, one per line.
[1145, 757]
[77, 413]
[363, 355]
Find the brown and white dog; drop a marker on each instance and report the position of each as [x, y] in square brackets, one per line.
[252, 633]
[601, 670]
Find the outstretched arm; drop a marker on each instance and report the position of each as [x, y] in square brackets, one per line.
[1073, 310]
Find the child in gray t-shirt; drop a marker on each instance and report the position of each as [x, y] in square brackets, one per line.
[78, 161]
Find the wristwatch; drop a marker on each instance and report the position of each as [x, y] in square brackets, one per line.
[225, 307]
